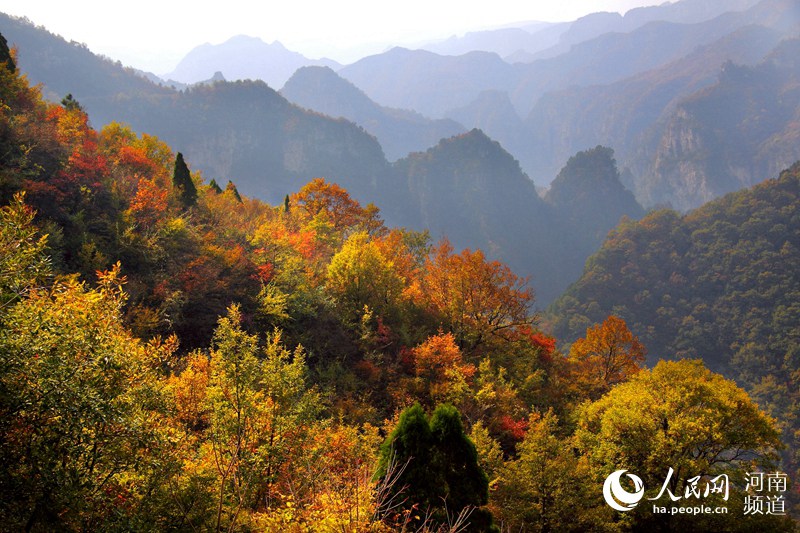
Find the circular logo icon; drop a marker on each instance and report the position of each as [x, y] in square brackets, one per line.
[619, 498]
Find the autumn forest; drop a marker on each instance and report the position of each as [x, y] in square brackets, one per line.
[178, 356]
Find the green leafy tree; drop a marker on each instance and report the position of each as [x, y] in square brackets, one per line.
[544, 488]
[23, 264]
[361, 275]
[84, 441]
[258, 405]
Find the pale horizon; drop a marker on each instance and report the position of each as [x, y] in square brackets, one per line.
[155, 36]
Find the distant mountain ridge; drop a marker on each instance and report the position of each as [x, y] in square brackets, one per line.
[241, 58]
[682, 12]
[526, 42]
[625, 113]
[505, 42]
[722, 138]
[427, 82]
[433, 84]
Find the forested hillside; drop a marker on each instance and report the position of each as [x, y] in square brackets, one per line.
[720, 283]
[177, 356]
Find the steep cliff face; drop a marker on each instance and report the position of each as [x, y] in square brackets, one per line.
[731, 135]
[677, 174]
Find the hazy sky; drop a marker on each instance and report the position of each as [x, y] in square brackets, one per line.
[155, 34]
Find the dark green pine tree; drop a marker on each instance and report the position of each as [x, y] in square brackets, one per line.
[215, 186]
[408, 449]
[466, 485]
[182, 181]
[230, 187]
[5, 55]
[286, 204]
[436, 468]
[70, 103]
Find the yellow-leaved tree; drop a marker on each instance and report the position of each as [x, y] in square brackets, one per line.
[671, 424]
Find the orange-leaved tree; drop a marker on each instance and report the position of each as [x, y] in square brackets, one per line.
[442, 374]
[477, 299]
[609, 354]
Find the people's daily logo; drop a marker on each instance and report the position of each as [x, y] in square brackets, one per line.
[764, 493]
[615, 494]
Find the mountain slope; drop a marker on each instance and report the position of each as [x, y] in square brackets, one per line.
[247, 132]
[474, 192]
[426, 82]
[399, 132]
[493, 112]
[719, 282]
[471, 190]
[70, 67]
[589, 189]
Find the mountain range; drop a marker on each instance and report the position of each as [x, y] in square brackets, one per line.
[243, 58]
[546, 91]
[610, 100]
[618, 89]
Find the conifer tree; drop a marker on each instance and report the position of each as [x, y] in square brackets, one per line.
[182, 181]
[234, 191]
[71, 104]
[215, 186]
[456, 459]
[436, 468]
[5, 55]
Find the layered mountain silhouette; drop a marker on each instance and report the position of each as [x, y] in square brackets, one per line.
[415, 79]
[627, 114]
[616, 89]
[722, 138]
[242, 58]
[655, 100]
